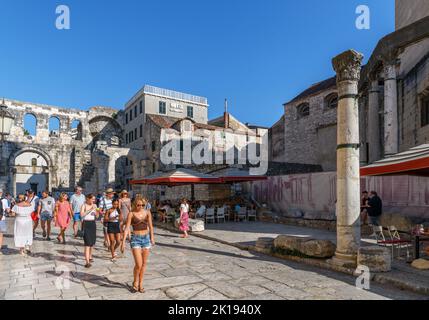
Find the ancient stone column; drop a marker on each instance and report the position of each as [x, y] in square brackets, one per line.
[391, 133]
[347, 66]
[373, 121]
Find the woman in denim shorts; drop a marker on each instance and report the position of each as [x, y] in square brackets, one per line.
[141, 239]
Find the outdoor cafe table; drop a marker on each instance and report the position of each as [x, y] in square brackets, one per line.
[417, 239]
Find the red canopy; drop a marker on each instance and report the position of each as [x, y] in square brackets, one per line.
[184, 176]
[178, 177]
[413, 161]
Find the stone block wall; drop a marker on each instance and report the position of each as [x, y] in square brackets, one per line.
[309, 140]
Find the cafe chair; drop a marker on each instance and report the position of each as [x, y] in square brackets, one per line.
[220, 215]
[251, 214]
[210, 215]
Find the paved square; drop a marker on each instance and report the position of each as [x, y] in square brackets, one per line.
[192, 268]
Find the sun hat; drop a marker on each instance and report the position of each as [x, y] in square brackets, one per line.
[110, 190]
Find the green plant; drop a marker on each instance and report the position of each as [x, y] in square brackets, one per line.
[26, 132]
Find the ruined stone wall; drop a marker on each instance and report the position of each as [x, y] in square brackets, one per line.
[68, 155]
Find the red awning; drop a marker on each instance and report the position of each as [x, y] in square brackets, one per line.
[231, 175]
[414, 161]
[178, 177]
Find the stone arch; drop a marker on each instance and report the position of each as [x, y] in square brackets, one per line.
[14, 172]
[303, 110]
[331, 101]
[30, 116]
[116, 156]
[76, 129]
[103, 128]
[54, 126]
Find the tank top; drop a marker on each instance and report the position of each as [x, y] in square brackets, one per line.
[114, 216]
[139, 224]
[90, 213]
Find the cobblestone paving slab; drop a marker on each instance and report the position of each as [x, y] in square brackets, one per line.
[179, 269]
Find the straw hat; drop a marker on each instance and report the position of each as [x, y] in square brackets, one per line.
[124, 192]
[110, 190]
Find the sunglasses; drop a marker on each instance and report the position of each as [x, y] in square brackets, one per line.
[139, 205]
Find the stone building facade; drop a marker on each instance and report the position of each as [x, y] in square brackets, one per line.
[177, 128]
[393, 99]
[60, 159]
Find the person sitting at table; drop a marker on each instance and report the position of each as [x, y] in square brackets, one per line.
[163, 211]
[201, 211]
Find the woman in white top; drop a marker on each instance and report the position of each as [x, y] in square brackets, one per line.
[184, 218]
[113, 216]
[23, 231]
[88, 216]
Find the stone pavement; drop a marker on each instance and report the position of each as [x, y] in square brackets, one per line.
[192, 268]
[246, 233]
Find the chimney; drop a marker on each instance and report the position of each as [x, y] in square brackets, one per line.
[226, 115]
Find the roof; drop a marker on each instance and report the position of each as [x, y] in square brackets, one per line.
[170, 94]
[413, 161]
[167, 122]
[162, 121]
[315, 88]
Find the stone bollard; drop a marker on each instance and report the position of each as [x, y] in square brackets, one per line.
[376, 258]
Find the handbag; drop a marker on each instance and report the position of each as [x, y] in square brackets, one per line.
[34, 216]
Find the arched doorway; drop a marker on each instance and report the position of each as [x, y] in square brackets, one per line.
[30, 170]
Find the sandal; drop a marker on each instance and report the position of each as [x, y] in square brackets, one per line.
[88, 265]
[134, 289]
[141, 290]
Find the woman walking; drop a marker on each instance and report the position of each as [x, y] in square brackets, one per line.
[23, 231]
[63, 215]
[141, 240]
[125, 206]
[113, 217]
[184, 218]
[88, 216]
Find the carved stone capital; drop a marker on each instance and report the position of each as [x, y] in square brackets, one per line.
[347, 65]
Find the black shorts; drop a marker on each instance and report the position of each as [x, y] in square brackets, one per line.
[113, 227]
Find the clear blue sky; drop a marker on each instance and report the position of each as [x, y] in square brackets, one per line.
[259, 54]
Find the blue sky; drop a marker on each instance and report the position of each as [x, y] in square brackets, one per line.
[258, 54]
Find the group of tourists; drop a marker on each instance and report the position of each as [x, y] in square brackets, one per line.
[123, 220]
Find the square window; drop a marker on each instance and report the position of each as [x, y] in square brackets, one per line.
[131, 115]
[126, 118]
[141, 130]
[135, 111]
